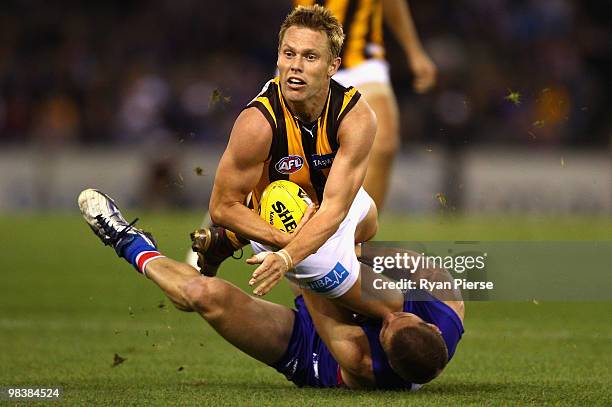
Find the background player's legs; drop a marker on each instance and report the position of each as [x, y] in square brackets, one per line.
[228, 309]
[381, 99]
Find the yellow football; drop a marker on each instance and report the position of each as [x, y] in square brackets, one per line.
[283, 204]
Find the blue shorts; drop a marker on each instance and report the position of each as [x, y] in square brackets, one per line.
[307, 361]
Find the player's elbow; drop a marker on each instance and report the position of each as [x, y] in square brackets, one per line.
[217, 212]
[221, 210]
[216, 215]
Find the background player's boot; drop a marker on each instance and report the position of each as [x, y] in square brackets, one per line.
[104, 218]
[213, 245]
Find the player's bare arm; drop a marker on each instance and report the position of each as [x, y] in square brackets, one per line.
[239, 171]
[355, 135]
[399, 19]
[345, 340]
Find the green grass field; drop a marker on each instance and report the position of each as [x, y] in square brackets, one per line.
[68, 305]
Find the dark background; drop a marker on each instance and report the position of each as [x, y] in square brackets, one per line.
[179, 71]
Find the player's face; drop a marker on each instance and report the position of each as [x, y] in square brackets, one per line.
[396, 321]
[305, 64]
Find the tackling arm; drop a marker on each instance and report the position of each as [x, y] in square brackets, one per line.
[345, 340]
[239, 171]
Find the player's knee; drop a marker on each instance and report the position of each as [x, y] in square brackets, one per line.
[372, 230]
[366, 231]
[203, 294]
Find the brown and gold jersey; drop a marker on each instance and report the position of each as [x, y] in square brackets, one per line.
[301, 152]
[362, 21]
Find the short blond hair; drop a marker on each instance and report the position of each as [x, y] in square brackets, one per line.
[317, 18]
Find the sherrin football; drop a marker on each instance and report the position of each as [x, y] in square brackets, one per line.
[283, 204]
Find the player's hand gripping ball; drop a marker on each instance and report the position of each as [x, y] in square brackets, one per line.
[283, 204]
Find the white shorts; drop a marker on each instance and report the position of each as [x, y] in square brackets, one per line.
[334, 268]
[370, 71]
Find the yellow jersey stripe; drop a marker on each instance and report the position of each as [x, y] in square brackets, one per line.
[264, 101]
[354, 53]
[347, 99]
[338, 9]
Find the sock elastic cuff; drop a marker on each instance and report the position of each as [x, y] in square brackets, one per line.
[143, 258]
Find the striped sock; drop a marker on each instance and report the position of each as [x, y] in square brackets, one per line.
[139, 252]
[143, 258]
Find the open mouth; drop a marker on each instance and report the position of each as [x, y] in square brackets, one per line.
[295, 83]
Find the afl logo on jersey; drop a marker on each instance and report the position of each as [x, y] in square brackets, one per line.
[290, 164]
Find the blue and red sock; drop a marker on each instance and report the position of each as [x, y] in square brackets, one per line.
[139, 252]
